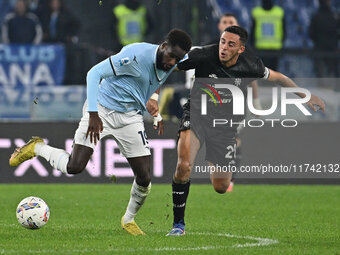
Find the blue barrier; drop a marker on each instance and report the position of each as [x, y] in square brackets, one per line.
[42, 103]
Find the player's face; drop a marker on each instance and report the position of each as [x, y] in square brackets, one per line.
[226, 22]
[168, 56]
[230, 48]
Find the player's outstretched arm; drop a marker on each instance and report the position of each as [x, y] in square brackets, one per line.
[285, 81]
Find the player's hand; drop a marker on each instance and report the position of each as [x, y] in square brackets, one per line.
[160, 126]
[95, 127]
[152, 107]
[316, 102]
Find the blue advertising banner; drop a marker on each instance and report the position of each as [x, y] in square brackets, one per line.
[31, 65]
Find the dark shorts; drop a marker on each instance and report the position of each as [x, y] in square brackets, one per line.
[185, 120]
[220, 146]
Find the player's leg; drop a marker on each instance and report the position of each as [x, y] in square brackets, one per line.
[82, 148]
[219, 180]
[79, 158]
[237, 164]
[62, 161]
[221, 155]
[187, 148]
[140, 188]
[129, 132]
[139, 191]
[58, 158]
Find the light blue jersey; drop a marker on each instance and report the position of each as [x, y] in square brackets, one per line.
[125, 81]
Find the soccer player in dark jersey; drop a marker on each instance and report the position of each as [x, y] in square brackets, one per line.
[219, 61]
[229, 19]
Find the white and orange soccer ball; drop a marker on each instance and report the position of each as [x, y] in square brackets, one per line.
[32, 213]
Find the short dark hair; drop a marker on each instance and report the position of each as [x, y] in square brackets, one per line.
[229, 14]
[239, 31]
[180, 38]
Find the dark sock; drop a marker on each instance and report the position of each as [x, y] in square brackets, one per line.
[180, 194]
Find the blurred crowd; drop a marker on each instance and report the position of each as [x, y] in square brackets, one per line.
[34, 22]
[50, 21]
[127, 21]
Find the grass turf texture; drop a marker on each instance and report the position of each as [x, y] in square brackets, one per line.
[85, 219]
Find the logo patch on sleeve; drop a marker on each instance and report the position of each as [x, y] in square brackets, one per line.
[186, 56]
[124, 61]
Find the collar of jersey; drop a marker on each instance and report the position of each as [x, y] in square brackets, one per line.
[160, 74]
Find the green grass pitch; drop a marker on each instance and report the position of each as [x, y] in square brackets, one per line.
[254, 219]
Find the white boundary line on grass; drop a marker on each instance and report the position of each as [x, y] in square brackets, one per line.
[260, 242]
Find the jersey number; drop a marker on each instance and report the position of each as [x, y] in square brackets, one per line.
[231, 151]
[144, 137]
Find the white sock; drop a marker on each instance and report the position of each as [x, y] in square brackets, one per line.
[137, 197]
[58, 158]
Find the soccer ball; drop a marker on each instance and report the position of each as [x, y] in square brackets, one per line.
[32, 213]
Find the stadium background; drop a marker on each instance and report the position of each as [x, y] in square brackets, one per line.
[42, 89]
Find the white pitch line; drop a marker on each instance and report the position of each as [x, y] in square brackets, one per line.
[260, 242]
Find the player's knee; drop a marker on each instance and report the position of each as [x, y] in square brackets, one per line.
[143, 177]
[183, 170]
[221, 188]
[143, 181]
[75, 167]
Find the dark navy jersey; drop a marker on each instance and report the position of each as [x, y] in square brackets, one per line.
[205, 61]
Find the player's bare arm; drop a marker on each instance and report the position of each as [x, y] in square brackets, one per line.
[285, 81]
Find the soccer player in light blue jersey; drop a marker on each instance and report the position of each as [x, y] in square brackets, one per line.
[118, 90]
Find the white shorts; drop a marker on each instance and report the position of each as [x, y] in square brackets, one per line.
[126, 128]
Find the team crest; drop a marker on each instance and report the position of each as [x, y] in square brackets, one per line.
[238, 81]
[213, 76]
